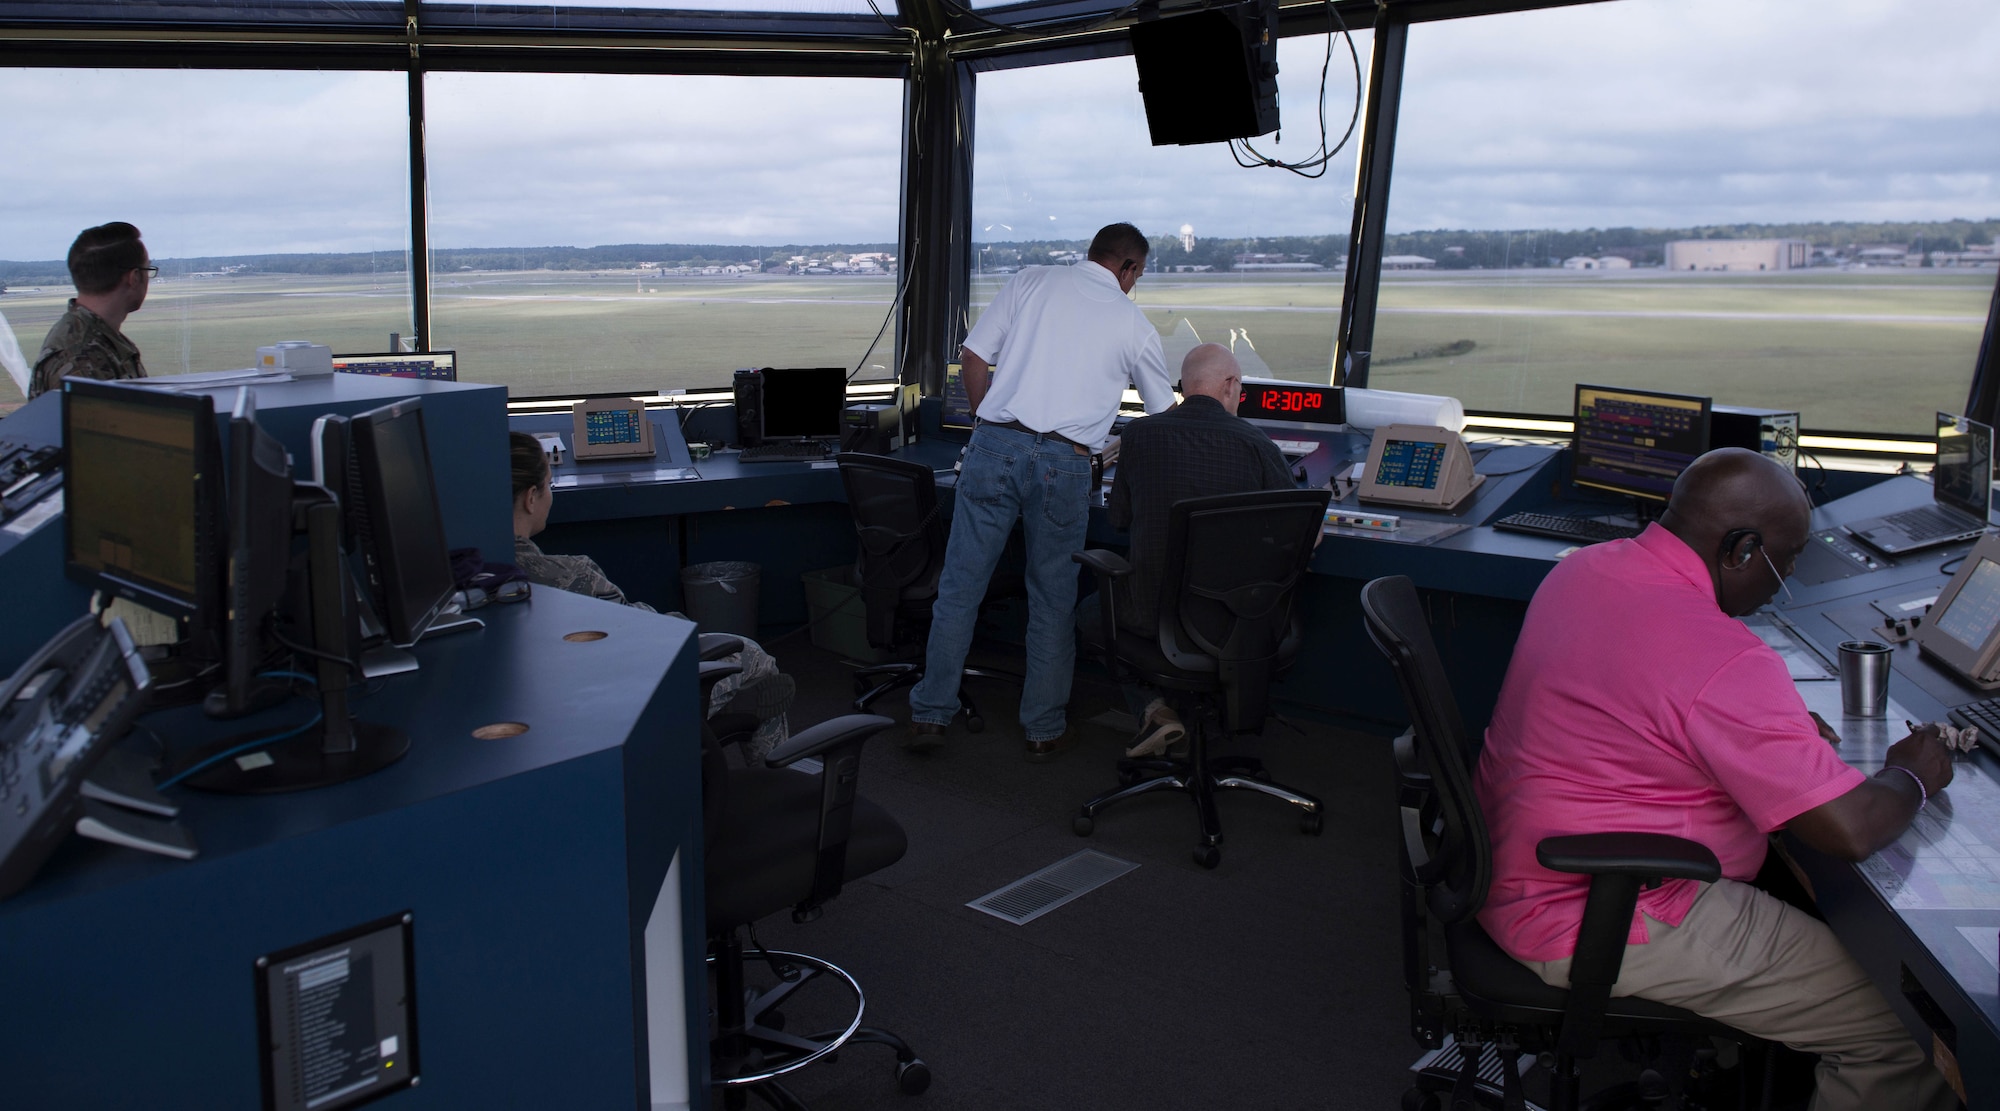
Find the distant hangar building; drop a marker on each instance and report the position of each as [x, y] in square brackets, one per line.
[1738, 254]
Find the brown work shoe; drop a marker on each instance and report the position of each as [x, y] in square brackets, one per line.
[924, 736]
[1040, 752]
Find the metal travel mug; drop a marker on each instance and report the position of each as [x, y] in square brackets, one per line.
[1864, 678]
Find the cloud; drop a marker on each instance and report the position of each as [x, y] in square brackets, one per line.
[537, 159]
[1634, 112]
[1682, 112]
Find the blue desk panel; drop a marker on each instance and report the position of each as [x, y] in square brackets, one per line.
[531, 865]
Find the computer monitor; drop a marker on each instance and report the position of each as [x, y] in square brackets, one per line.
[957, 411]
[393, 512]
[1637, 442]
[258, 560]
[804, 404]
[143, 510]
[434, 366]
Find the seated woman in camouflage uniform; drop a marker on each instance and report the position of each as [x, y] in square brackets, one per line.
[758, 689]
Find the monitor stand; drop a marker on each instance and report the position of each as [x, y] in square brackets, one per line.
[388, 659]
[335, 748]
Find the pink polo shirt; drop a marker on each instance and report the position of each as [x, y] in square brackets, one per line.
[1633, 703]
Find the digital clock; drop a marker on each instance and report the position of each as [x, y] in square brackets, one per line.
[1299, 402]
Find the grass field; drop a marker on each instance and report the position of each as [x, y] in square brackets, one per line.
[1874, 349]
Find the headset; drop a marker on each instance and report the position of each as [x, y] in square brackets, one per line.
[1735, 552]
[1738, 545]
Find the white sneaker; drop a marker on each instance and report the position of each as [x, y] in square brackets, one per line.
[1161, 729]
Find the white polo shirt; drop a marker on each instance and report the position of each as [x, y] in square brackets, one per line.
[1064, 342]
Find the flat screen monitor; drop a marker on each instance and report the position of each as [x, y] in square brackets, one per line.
[804, 404]
[434, 366]
[1637, 442]
[143, 501]
[395, 516]
[259, 556]
[957, 404]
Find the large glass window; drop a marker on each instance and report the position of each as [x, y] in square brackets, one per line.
[1252, 258]
[1786, 204]
[276, 205]
[622, 233]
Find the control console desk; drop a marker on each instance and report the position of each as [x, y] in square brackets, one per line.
[550, 869]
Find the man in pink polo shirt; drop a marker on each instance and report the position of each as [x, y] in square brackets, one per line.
[1636, 701]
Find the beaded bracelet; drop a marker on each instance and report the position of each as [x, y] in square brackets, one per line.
[1922, 790]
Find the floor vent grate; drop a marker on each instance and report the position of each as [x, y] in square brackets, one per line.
[1038, 893]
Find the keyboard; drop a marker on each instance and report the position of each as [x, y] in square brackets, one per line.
[1926, 523]
[1986, 717]
[784, 451]
[26, 473]
[1565, 528]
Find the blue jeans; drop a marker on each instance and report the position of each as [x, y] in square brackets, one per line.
[1043, 483]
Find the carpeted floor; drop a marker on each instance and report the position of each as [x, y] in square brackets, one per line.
[1269, 982]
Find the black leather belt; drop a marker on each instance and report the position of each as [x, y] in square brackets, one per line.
[1017, 426]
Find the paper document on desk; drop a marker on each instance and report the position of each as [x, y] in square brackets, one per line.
[1410, 530]
[623, 478]
[1949, 859]
[1986, 939]
[213, 379]
[1801, 661]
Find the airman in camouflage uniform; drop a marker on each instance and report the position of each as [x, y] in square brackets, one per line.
[576, 574]
[759, 688]
[82, 344]
[112, 272]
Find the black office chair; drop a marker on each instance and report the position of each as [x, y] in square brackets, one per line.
[776, 838]
[1481, 995]
[902, 543]
[1227, 627]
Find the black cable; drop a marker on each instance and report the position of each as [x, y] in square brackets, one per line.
[1315, 166]
[892, 24]
[909, 271]
[303, 650]
[1950, 566]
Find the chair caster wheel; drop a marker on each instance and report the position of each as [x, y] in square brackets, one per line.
[913, 1076]
[1208, 856]
[1083, 824]
[1312, 823]
[975, 724]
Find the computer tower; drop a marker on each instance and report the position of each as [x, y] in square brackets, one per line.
[1211, 75]
[749, 407]
[1771, 432]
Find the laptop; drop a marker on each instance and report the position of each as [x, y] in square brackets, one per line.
[1961, 495]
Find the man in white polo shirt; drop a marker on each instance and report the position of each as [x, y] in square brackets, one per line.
[1044, 370]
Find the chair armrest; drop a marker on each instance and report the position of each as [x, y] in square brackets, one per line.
[711, 673]
[1618, 864]
[1105, 564]
[714, 646]
[1107, 567]
[1650, 857]
[831, 734]
[838, 744]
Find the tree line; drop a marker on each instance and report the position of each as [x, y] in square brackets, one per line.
[1452, 249]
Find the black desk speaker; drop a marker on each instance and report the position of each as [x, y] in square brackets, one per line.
[1209, 76]
[749, 408]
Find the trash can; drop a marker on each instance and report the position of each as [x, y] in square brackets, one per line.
[721, 596]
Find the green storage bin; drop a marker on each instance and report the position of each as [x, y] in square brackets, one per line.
[838, 615]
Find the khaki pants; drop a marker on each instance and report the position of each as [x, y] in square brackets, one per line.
[1747, 959]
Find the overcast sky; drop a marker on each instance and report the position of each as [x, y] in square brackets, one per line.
[1635, 112]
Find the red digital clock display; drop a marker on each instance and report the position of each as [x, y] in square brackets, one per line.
[1303, 403]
